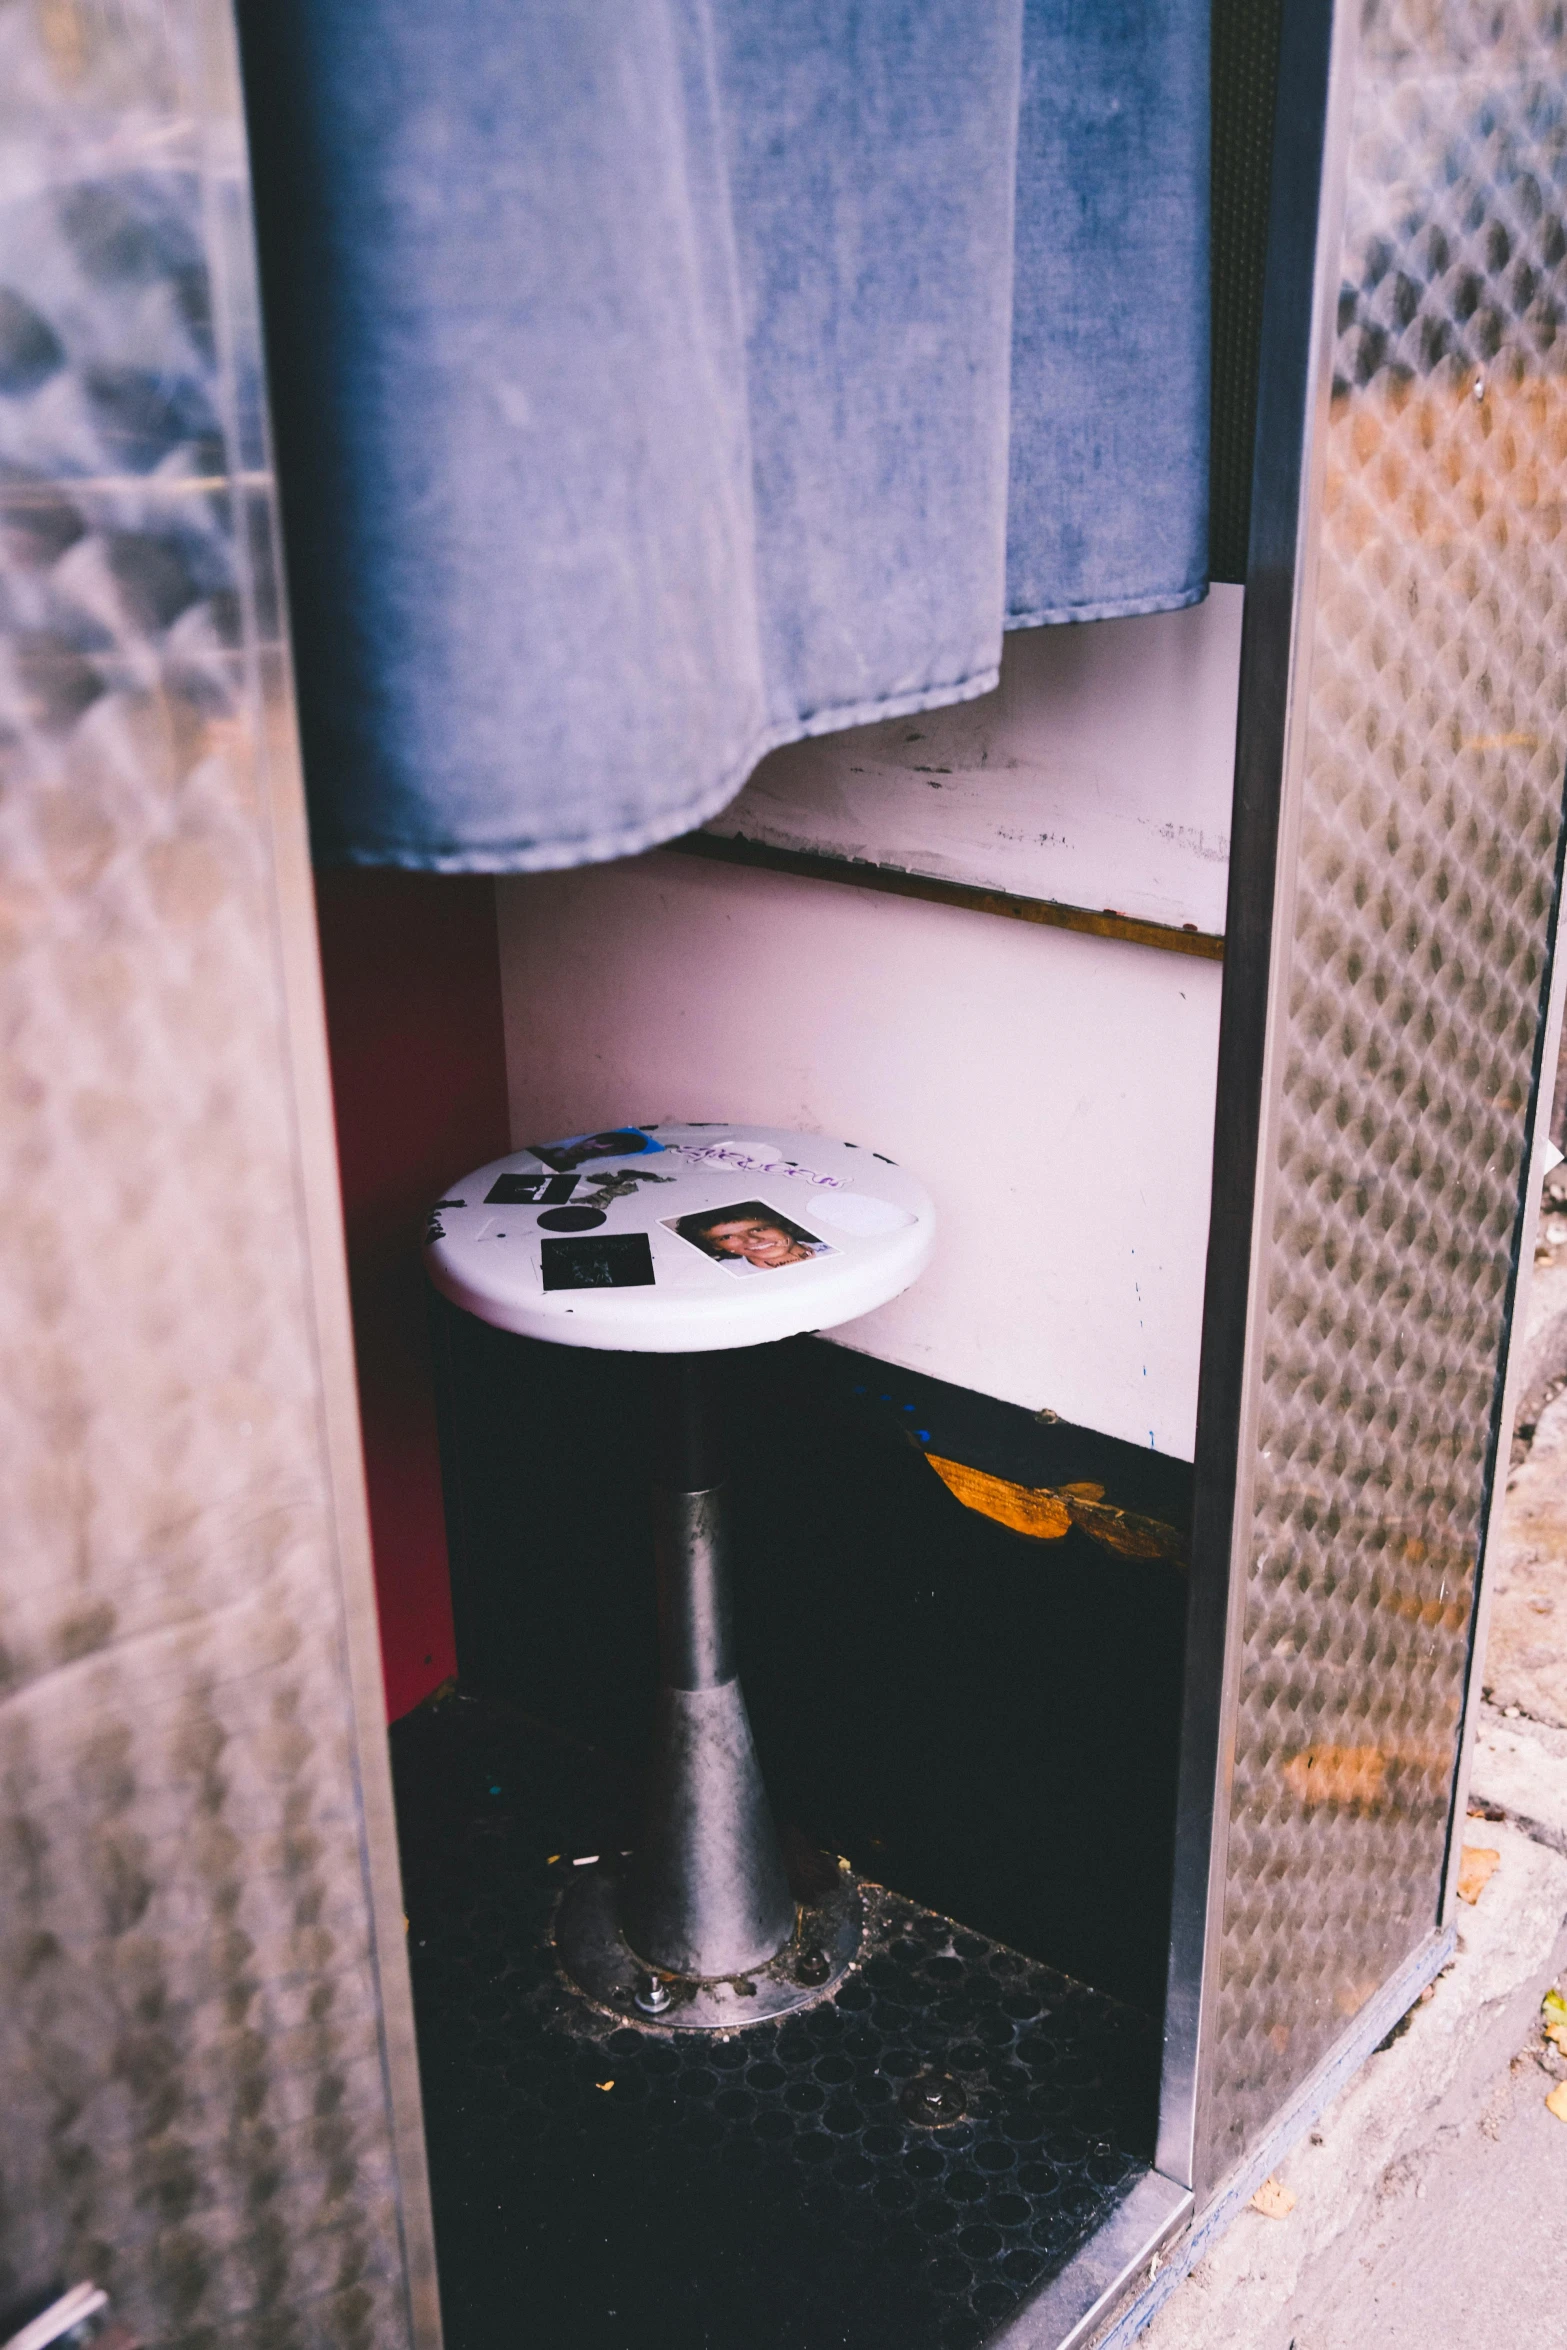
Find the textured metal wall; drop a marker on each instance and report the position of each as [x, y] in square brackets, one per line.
[1428, 807]
[205, 2049]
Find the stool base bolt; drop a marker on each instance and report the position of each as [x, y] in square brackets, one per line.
[931, 2099]
[596, 1961]
[652, 1996]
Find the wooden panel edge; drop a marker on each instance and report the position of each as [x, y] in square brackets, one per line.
[810, 865]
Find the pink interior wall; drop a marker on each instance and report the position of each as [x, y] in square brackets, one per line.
[413, 1004]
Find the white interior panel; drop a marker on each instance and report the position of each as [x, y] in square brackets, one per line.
[1054, 1091]
[1098, 774]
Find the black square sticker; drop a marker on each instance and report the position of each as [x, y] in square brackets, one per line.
[610, 1260]
[514, 1190]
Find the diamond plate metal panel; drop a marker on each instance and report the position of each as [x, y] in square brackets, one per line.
[1429, 806]
[198, 2068]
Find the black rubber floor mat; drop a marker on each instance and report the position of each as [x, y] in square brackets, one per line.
[623, 2190]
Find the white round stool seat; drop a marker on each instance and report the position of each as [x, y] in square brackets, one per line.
[679, 1239]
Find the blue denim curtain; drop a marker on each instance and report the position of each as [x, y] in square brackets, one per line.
[656, 381]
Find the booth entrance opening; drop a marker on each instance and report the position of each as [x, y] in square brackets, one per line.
[1106, 1599]
[1036, 1557]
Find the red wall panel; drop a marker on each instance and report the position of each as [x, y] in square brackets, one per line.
[413, 1007]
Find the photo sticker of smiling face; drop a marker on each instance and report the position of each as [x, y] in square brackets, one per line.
[749, 1237]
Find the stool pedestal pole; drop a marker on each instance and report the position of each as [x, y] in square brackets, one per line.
[707, 1894]
[702, 1930]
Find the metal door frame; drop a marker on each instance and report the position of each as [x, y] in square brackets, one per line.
[1316, 68]
[1317, 84]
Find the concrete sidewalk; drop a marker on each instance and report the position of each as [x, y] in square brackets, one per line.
[1525, 1666]
[1428, 2198]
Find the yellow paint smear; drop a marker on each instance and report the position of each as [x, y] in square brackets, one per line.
[1125, 1532]
[1045, 1514]
[1026, 1509]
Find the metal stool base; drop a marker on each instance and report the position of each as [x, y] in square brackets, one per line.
[597, 1962]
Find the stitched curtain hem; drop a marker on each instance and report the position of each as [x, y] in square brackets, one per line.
[1133, 608]
[601, 848]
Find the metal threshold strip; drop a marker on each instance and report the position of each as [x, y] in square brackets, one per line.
[1064, 2313]
[811, 866]
[1075, 2304]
